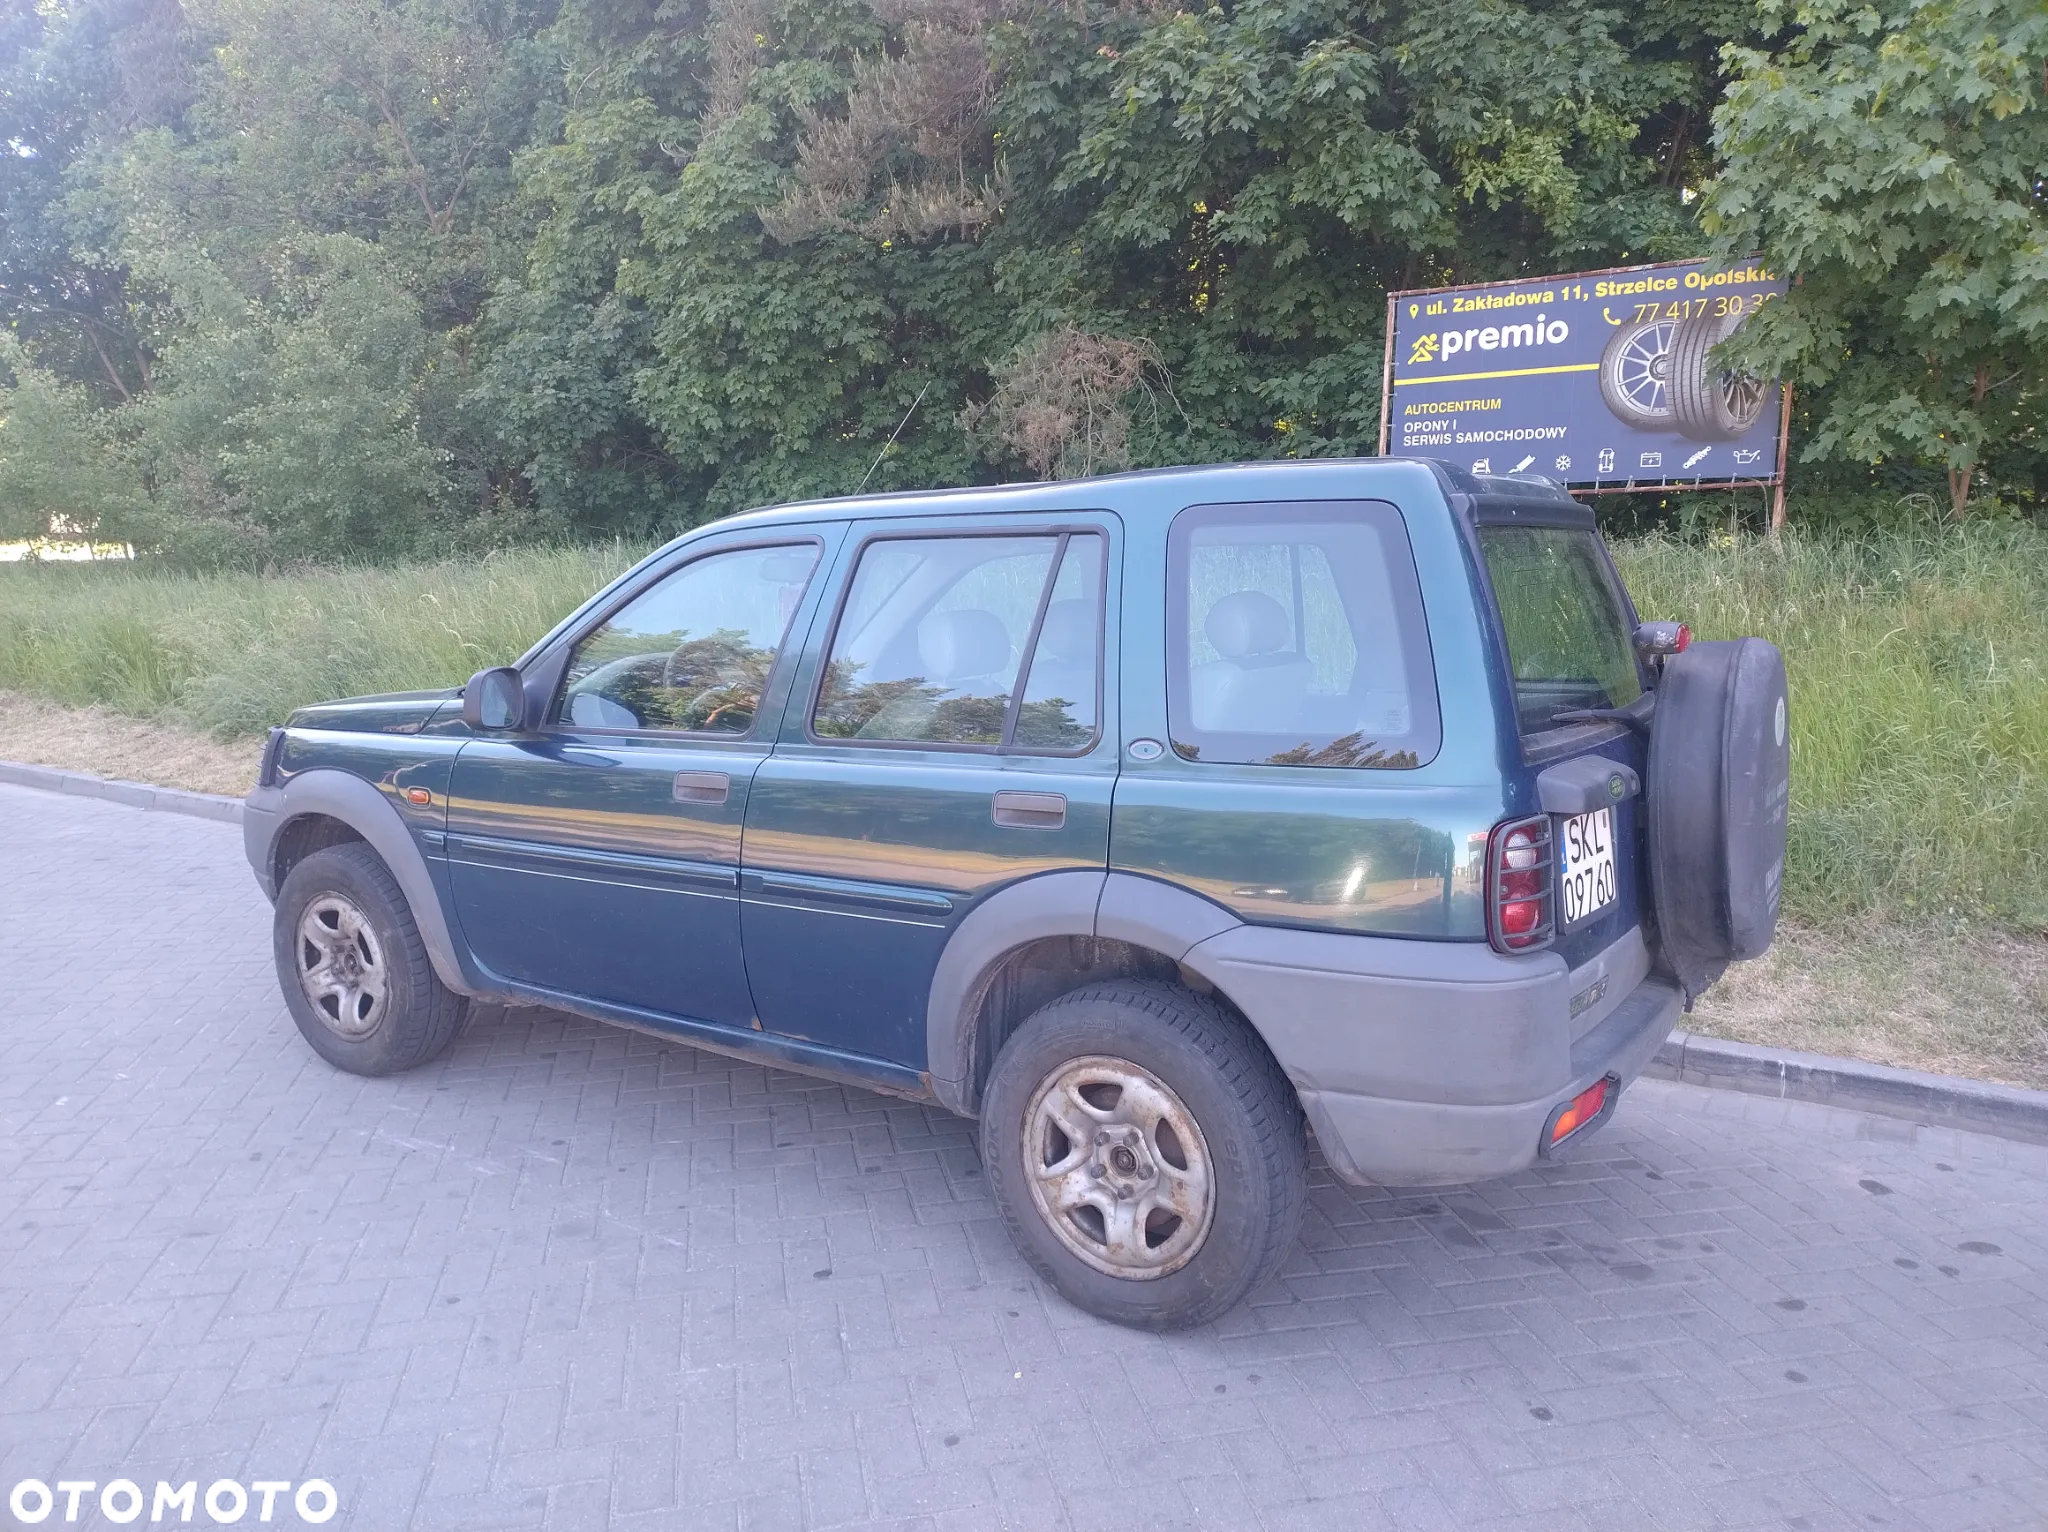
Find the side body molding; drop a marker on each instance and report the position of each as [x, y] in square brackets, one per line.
[360, 806]
[1148, 913]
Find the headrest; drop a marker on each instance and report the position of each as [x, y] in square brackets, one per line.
[1246, 623]
[1068, 634]
[970, 642]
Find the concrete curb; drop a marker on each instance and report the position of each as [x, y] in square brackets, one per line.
[137, 795]
[1947, 1101]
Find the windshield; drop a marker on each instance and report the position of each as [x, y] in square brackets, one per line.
[1567, 631]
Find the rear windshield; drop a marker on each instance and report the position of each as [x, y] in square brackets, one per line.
[1567, 631]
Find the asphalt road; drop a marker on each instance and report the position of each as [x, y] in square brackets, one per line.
[573, 1277]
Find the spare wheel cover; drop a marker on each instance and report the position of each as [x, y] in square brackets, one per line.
[1718, 790]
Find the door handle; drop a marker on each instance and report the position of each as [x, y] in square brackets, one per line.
[702, 786]
[1030, 811]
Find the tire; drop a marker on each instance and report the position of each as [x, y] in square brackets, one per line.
[364, 994]
[1210, 1207]
[1717, 791]
[1635, 377]
[1709, 404]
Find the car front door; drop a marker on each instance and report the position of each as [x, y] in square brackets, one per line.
[952, 731]
[597, 856]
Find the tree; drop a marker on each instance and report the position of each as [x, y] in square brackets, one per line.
[75, 81]
[1890, 159]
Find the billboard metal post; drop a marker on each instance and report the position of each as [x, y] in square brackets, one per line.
[1784, 438]
[1387, 378]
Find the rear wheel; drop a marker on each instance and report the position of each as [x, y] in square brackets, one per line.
[354, 970]
[1146, 1153]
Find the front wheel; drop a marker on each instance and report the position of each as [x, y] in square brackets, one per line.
[354, 970]
[1146, 1152]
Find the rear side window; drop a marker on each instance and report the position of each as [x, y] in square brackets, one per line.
[970, 640]
[1296, 637]
[1567, 629]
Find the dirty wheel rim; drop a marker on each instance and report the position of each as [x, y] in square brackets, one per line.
[341, 966]
[1118, 1167]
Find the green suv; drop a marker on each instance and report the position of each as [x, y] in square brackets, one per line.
[1154, 821]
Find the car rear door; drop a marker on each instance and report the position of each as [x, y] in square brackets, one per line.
[952, 731]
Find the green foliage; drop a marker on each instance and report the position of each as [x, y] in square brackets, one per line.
[58, 470]
[1891, 157]
[376, 278]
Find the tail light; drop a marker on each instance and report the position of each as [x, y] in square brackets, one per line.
[1519, 856]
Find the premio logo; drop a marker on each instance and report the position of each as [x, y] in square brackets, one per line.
[122, 1501]
[1432, 346]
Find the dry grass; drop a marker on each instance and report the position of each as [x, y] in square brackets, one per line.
[1965, 1002]
[110, 745]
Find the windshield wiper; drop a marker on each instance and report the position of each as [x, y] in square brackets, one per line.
[1636, 715]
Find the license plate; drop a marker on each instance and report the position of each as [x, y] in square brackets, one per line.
[1586, 878]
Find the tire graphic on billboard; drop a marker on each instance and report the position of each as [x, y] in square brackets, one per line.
[1635, 375]
[1655, 376]
[1711, 405]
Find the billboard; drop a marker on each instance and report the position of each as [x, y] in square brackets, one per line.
[1598, 378]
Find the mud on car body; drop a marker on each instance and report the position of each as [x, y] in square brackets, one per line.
[1155, 821]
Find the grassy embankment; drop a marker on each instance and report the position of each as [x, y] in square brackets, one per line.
[1919, 669]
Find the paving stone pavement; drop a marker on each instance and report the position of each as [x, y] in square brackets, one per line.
[573, 1277]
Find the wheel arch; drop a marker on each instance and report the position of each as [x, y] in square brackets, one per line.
[1036, 940]
[325, 807]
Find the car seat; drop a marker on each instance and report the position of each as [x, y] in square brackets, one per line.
[1258, 683]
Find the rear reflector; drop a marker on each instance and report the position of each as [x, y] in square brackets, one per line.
[1584, 1109]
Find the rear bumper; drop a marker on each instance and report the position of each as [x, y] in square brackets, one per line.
[1437, 1063]
[1434, 1143]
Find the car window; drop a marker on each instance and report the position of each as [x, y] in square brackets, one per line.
[1568, 636]
[1297, 638]
[693, 652]
[1060, 706]
[936, 631]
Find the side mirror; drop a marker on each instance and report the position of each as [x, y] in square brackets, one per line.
[494, 699]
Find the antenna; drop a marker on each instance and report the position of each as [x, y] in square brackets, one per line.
[877, 463]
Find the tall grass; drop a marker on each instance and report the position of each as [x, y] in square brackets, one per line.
[231, 654]
[1919, 665]
[1919, 670]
